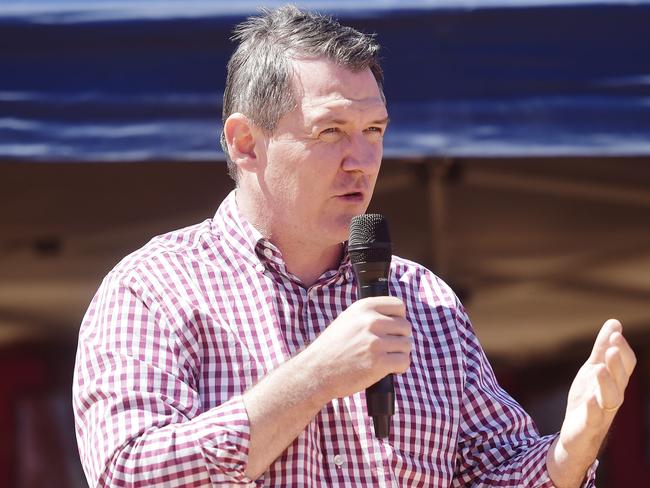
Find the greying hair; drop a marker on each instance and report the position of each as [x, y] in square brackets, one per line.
[258, 83]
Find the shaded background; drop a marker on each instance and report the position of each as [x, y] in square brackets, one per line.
[516, 167]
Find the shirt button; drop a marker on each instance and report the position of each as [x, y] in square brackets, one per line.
[338, 460]
[268, 253]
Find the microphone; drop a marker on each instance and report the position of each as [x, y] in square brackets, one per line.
[370, 253]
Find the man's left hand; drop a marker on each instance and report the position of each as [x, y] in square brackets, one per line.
[595, 396]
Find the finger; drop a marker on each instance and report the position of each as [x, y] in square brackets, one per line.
[391, 326]
[616, 368]
[607, 393]
[602, 340]
[397, 362]
[391, 306]
[393, 344]
[627, 354]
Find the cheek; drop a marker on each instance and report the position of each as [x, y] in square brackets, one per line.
[282, 161]
[302, 174]
[377, 151]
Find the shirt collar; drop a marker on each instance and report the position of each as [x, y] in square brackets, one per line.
[234, 230]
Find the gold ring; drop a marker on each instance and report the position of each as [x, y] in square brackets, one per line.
[612, 409]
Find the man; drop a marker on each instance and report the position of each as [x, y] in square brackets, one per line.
[235, 351]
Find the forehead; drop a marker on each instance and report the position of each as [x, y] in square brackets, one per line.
[321, 86]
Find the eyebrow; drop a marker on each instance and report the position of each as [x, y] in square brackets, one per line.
[381, 121]
[326, 119]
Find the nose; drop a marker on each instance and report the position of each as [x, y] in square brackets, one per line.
[362, 155]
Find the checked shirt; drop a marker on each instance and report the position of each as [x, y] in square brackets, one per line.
[181, 328]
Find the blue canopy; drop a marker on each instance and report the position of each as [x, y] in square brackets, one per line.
[134, 81]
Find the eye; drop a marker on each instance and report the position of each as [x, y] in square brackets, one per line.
[374, 133]
[331, 134]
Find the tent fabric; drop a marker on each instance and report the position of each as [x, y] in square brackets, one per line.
[463, 79]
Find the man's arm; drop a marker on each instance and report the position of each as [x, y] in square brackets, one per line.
[594, 398]
[138, 414]
[137, 404]
[498, 443]
[365, 343]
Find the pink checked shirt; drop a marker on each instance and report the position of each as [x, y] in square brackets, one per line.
[182, 327]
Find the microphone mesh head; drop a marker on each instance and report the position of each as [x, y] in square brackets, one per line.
[369, 239]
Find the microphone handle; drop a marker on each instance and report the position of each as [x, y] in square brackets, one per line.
[373, 289]
[380, 397]
[380, 401]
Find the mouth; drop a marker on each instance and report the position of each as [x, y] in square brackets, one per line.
[352, 197]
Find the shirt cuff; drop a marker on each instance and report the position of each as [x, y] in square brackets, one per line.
[223, 434]
[590, 477]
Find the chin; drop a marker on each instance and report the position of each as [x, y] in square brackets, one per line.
[339, 230]
[334, 227]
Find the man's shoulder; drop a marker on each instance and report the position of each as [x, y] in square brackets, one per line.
[406, 270]
[181, 245]
[414, 278]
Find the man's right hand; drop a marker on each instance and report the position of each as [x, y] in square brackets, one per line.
[368, 341]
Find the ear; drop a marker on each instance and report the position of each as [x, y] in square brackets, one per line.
[240, 138]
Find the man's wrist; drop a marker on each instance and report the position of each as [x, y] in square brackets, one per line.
[568, 468]
[307, 363]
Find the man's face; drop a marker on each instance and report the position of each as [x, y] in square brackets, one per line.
[320, 165]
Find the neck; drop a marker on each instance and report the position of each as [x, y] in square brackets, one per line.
[309, 266]
[304, 258]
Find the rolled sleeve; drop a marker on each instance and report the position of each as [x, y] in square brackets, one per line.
[223, 436]
[139, 417]
[590, 477]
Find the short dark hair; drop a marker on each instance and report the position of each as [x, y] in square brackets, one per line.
[258, 83]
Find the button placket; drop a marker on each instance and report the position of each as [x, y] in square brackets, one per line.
[310, 335]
